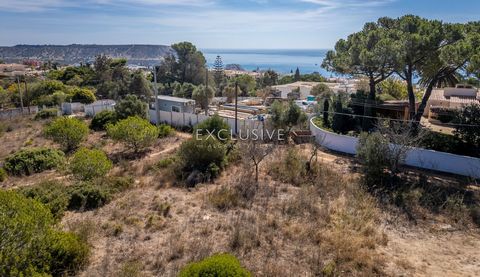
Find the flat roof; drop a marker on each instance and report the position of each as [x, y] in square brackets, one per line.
[174, 99]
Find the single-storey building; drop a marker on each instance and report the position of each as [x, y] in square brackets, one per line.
[454, 98]
[174, 104]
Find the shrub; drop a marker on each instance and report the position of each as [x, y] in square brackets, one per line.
[30, 244]
[164, 163]
[165, 130]
[67, 131]
[373, 152]
[101, 119]
[469, 120]
[46, 113]
[131, 106]
[445, 115]
[87, 164]
[289, 169]
[205, 155]
[3, 175]
[446, 143]
[68, 252]
[34, 160]
[134, 132]
[83, 95]
[224, 198]
[88, 196]
[214, 125]
[52, 194]
[217, 265]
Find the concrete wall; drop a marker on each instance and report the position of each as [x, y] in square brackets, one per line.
[417, 157]
[71, 108]
[12, 113]
[189, 119]
[92, 110]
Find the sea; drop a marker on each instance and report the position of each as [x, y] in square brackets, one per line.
[282, 61]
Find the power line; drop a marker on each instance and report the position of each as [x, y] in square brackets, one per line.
[399, 120]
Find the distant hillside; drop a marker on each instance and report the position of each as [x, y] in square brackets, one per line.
[76, 53]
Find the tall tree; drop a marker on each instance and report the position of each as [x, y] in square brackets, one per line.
[246, 83]
[139, 85]
[190, 63]
[369, 53]
[458, 55]
[203, 95]
[219, 74]
[297, 77]
[269, 78]
[417, 39]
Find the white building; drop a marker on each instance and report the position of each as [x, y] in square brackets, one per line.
[305, 88]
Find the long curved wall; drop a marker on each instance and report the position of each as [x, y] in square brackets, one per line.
[417, 157]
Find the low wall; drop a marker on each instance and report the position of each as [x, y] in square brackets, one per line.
[189, 119]
[92, 110]
[12, 113]
[417, 157]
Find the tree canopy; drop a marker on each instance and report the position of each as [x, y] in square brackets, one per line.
[188, 65]
[410, 47]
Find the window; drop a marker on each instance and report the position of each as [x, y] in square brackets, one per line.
[176, 109]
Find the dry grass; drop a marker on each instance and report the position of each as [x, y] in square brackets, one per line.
[316, 223]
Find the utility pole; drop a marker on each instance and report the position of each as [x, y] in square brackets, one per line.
[206, 92]
[157, 114]
[236, 107]
[26, 93]
[20, 92]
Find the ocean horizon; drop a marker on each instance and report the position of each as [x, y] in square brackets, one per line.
[283, 61]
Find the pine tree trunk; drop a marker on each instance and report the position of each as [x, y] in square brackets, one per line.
[411, 93]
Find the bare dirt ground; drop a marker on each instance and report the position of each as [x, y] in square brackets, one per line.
[156, 228]
[415, 252]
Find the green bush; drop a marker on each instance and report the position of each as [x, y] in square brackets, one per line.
[444, 115]
[52, 194]
[3, 175]
[88, 196]
[214, 125]
[67, 131]
[134, 132]
[83, 95]
[87, 164]
[131, 106]
[164, 163]
[217, 265]
[446, 143]
[467, 130]
[30, 244]
[373, 152]
[291, 168]
[101, 119]
[115, 184]
[34, 160]
[46, 113]
[165, 130]
[205, 155]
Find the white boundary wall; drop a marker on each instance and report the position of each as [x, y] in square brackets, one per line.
[189, 119]
[417, 157]
[91, 110]
[11, 113]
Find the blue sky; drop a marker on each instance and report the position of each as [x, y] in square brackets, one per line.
[238, 24]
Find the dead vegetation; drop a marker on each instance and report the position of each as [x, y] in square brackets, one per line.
[301, 216]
